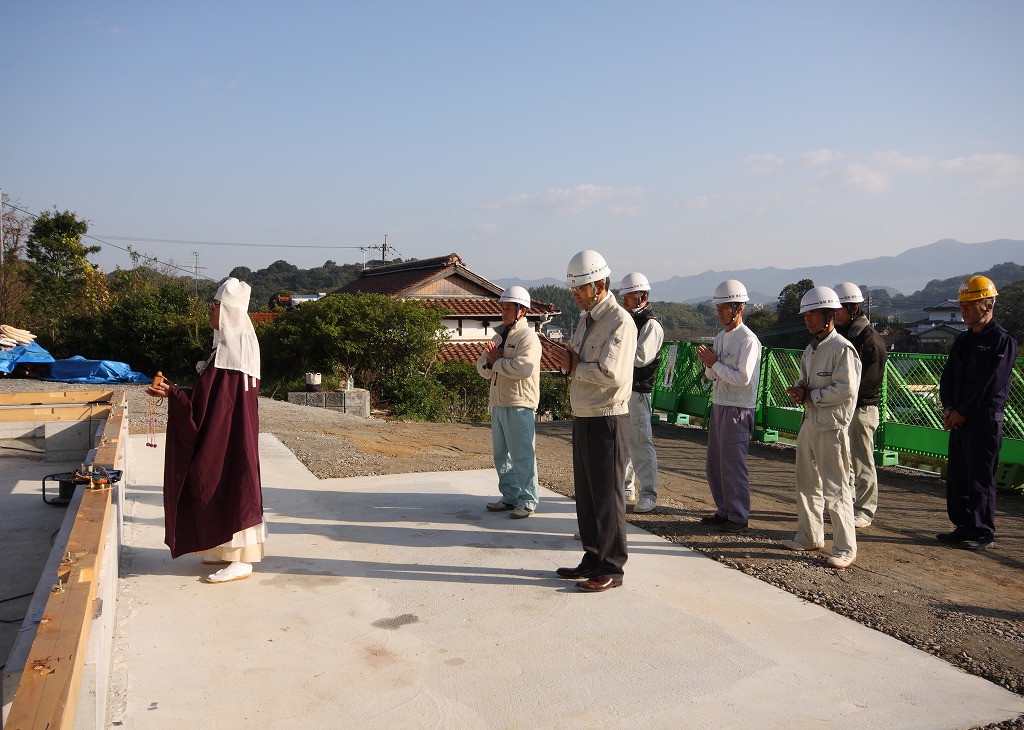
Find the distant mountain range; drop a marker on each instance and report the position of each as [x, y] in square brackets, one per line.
[905, 273]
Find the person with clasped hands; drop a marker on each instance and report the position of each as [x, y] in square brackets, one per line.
[511, 361]
[973, 389]
[599, 359]
[733, 365]
[827, 389]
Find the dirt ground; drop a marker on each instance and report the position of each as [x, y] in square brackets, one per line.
[965, 607]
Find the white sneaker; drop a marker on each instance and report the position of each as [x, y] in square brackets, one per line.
[644, 505]
[799, 547]
[861, 522]
[235, 571]
[630, 494]
[841, 561]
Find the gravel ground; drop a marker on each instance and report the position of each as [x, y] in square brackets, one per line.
[961, 606]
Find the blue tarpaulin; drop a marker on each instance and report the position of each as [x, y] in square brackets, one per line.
[23, 354]
[79, 370]
[73, 370]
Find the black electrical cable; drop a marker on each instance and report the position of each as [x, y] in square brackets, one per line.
[168, 240]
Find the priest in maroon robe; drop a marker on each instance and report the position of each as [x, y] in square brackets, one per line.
[213, 502]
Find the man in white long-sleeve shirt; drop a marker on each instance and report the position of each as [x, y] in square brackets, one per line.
[643, 459]
[734, 366]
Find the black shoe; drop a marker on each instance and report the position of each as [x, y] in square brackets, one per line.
[951, 538]
[714, 519]
[730, 526]
[575, 573]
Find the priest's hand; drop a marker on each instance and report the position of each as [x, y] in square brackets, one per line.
[159, 391]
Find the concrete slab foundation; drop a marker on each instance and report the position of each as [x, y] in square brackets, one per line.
[399, 602]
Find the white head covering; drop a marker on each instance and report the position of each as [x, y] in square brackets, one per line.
[235, 340]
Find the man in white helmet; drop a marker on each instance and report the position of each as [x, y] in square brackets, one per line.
[511, 361]
[599, 358]
[827, 389]
[733, 364]
[643, 459]
[853, 324]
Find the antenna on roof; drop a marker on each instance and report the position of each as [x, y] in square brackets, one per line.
[383, 248]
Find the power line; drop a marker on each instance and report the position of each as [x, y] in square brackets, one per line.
[224, 243]
[191, 270]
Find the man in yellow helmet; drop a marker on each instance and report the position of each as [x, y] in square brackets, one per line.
[974, 385]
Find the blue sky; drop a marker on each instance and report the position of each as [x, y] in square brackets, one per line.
[673, 137]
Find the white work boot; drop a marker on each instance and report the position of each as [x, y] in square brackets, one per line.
[840, 562]
[646, 504]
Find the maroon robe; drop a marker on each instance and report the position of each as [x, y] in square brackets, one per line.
[212, 462]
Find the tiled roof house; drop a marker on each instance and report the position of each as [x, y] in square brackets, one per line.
[471, 301]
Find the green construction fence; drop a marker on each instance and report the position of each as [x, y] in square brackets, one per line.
[910, 413]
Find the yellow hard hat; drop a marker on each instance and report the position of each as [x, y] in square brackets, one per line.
[975, 288]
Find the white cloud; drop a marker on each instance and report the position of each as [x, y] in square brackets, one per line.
[991, 171]
[866, 178]
[819, 157]
[700, 202]
[568, 200]
[763, 163]
[626, 211]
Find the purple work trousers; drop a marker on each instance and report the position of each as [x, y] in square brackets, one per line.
[728, 444]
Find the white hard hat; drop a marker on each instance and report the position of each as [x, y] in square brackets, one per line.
[634, 282]
[586, 267]
[849, 293]
[820, 297]
[730, 290]
[516, 294]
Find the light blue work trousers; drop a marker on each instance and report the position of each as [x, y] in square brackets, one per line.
[514, 440]
[643, 459]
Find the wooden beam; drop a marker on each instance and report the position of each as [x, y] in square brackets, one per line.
[48, 688]
[68, 412]
[56, 397]
[47, 693]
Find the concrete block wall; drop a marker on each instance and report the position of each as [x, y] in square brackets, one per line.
[355, 401]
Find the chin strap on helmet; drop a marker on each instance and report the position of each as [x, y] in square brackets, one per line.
[830, 315]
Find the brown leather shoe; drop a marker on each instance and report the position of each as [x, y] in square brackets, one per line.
[575, 573]
[600, 583]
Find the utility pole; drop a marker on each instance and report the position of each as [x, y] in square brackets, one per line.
[2, 241]
[195, 272]
[383, 251]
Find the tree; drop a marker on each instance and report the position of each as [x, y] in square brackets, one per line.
[14, 287]
[388, 345]
[563, 300]
[64, 284]
[788, 308]
[760, 319]
[154, 322]
[1009, 311]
